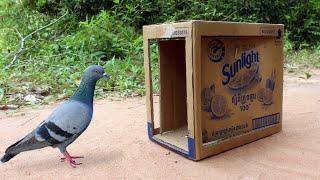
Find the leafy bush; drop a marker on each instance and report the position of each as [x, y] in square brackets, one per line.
[109, 33]
[81, 8]
[301, 18]
[55, 57]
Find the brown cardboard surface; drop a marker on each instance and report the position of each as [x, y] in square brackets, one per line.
[265, 38]
[189, 86]
[173, 110]
[197, 89]
[178, 137]
[220, 28]
[148, 81]
[170, 30]
[241, 99]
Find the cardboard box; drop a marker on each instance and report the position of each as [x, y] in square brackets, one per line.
[220, 84]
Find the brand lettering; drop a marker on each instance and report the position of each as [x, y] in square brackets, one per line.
[243, 99]
[245, 61]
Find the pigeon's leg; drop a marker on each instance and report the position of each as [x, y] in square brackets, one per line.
[69, 159]
[72, 157]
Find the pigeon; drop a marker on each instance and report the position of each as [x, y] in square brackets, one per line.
[65, 124]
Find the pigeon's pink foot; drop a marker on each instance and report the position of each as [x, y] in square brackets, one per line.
[72, 157]
[69, 159]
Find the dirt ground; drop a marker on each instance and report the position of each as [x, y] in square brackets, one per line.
[116, 146]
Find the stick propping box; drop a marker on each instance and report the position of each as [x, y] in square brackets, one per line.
[221, 84]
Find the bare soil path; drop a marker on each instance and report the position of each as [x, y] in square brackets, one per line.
[116, 146]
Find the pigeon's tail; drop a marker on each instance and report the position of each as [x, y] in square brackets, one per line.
[25, 144]
[7, 157]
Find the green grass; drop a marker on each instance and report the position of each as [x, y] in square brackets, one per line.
[302, 59]
[54, 58]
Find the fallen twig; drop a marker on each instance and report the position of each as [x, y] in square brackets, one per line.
[28, 120]
[7, 107]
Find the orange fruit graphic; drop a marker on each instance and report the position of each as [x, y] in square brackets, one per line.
[265, 96]
[219, 105]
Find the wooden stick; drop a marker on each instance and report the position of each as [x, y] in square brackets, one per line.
[23, 39]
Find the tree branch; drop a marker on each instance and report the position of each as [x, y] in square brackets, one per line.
[23, 39]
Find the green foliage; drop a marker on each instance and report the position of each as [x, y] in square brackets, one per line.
[80, 8]
[63, 52]
[109, 33]
[302, 58]
[104, 37]
[301, 18]
[140, 12]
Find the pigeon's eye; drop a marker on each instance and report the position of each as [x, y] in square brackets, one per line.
[97, 71]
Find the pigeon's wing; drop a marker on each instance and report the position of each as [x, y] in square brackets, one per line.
[65, 123]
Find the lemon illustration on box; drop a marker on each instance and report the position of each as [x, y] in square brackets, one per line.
[216, 104]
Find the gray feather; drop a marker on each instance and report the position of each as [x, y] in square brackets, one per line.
[68, 121]
[26, 144]
[7, 157]
[72, 116]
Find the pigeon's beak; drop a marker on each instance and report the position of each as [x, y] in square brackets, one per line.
[105, 76]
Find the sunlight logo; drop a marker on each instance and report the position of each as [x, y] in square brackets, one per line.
[245, 61]
[216, 50]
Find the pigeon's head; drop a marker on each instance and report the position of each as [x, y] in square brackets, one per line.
[95, 72]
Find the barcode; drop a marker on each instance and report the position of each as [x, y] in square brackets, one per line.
[265, 121]
[180, 32]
